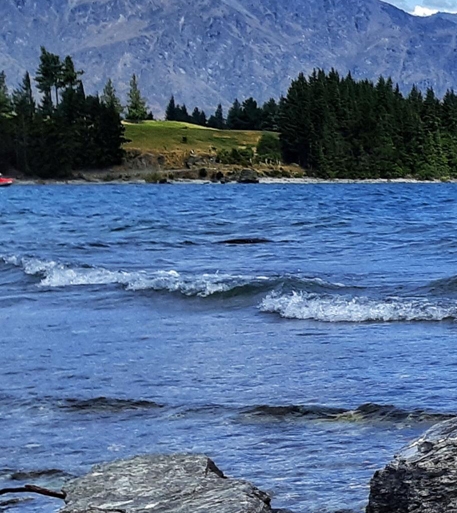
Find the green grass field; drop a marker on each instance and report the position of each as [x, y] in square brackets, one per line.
[172, 136]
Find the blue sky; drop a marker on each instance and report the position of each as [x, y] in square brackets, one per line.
[424, 7]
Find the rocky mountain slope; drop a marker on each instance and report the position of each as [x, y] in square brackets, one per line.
[206, 51]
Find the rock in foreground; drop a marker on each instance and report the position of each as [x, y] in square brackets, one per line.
[158, 483]
[422, 478]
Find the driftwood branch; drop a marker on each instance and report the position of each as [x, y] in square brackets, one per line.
[34, 489]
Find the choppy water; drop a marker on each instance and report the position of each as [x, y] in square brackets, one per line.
[134, 319]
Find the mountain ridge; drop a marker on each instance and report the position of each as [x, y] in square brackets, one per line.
[216, 50]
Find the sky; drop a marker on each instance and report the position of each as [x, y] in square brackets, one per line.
[425, 7]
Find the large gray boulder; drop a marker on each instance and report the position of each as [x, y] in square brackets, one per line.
[162, 484]
[422, 478]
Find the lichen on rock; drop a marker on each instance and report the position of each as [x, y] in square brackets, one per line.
[176, 483]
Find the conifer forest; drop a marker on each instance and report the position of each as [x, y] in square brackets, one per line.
[332, 126]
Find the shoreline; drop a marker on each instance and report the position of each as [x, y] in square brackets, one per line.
[262, 181]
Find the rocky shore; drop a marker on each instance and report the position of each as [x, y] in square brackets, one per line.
[422, 478]
[175, 483]
[151, 168]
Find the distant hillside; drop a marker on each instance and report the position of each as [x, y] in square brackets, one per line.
[206, 51]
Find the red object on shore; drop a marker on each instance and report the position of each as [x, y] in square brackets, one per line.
[4, 182]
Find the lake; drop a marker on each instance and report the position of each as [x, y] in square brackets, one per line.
[299, 335]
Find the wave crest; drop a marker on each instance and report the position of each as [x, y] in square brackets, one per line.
[55, 274]
[326, 308]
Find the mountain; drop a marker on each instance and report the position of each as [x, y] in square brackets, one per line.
[207, 51]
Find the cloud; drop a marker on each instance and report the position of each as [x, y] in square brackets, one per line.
[425, 7]
[419, 10]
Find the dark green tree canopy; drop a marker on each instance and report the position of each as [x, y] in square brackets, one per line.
[337, 127]
[75, 132]
[49, 75]
[6, 106]
[217, 120]
[170, 113]
[234, 116]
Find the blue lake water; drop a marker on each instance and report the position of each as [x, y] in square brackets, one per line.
[128, 324]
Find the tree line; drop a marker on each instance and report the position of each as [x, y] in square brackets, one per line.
[65, 130]
[241, 116]
[332, 126]
[337, 127]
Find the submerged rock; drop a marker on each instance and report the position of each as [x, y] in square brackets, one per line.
[252, 240]
[160, 483]
[422, 478]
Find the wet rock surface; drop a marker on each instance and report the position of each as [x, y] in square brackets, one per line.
[422, 478]
[163, 483]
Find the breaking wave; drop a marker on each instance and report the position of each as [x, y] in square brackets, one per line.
[54, 274]
[334, 308]
[290, 296]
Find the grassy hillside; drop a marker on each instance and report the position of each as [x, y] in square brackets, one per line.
[172, 136]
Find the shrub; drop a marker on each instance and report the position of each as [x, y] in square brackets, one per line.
[237, 156]
[269, 147]
[153, 177]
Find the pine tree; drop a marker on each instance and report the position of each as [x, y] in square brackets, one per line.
[69, 77]
[295, 123]
[110, 99]
[49, 75]
[6, 106]
[170, 114]
[234, 116]
[71, 114]
[251, 115]
[24, 109]
[6, 142]
[217, 120]
[203, 119]
[182, 114]
[136, 106]
[196, 116]
[23, 101]
[111, 136]
[269, 117]
[46, 106]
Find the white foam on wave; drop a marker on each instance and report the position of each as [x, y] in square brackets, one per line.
[54, 274]
[325, 308]
[202, 285]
